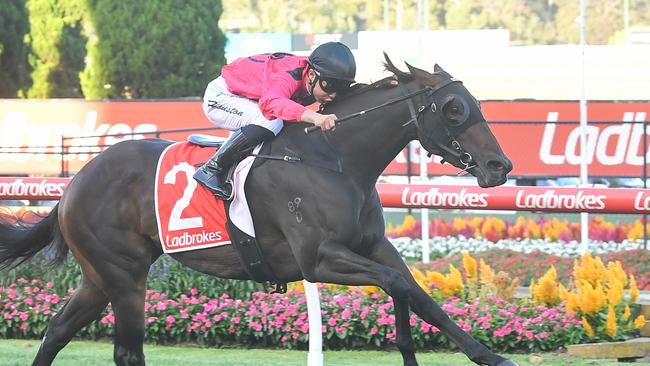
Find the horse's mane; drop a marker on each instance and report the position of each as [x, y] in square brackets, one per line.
[387, 82]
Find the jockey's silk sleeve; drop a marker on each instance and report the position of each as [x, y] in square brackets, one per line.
[275, 101]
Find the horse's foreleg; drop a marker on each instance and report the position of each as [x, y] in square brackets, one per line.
[338, 264]
[83, 307]
[427, 309]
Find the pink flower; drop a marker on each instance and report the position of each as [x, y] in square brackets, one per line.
[24, 316]
[235, 320]
[194, 292]
[170, 319]
[374, 330]
[425, 327]
[331, 322]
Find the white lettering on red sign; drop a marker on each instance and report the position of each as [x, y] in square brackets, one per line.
[642, 201]
[434, 197]
[22, 188]
[628, 139]
[187, 239]
[549, 199]
[18, 132]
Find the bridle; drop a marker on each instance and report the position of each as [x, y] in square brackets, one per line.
[448, 144]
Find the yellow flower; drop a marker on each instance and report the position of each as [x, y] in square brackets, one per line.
[369, 290]
[573, 303]
[627, 312]
[469, 263]
[591, 299]
[639, 322]
[615, 272]
[487, 274]
[590, 269]
[419, 278]
[546, 290]
[615, 292]
[588, 328]
[454, 281]
[562, 292]
[634, 291]
[610, 326]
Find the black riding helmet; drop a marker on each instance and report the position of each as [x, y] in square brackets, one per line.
[334, 64]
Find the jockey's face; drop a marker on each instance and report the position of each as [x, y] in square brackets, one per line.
[319, 94]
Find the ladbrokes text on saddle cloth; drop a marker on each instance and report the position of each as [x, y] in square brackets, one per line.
[189, 217]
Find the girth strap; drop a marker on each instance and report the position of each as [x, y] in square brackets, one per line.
[251, 257]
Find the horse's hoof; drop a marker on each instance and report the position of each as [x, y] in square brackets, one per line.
[507, 363]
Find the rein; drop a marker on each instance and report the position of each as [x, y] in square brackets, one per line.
[385, 104]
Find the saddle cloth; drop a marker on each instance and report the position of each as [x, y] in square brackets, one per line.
[189, 217]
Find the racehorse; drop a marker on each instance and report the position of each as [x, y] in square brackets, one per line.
[106, 216]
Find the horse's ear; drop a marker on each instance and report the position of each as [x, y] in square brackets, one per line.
[437, 68]
[389, 63]
[417, 73]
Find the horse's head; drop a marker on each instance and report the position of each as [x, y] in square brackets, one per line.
[450, 124]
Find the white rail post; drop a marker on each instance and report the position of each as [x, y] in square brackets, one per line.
[315, 355]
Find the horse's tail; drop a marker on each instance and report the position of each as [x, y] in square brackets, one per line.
[20, 241]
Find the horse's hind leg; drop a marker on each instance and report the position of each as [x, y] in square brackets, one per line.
[83, 307]
[129, 328]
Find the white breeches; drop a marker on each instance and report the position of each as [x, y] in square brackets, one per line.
[232, 112]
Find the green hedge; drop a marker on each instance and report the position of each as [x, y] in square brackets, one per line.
[166, 275]
[152, 49]
[14, 69]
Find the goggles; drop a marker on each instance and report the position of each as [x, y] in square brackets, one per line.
[331, 86]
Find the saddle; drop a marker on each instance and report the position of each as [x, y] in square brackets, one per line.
[246, 246]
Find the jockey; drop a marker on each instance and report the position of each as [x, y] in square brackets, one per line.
[255, 95]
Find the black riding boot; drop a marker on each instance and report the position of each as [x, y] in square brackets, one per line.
[212, 175]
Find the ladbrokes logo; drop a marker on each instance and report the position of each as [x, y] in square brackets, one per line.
[435, 198]
[186, 239]
[21, 188]
[549, 199]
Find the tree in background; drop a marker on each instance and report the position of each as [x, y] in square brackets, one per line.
[58, 47]
[14, 69]
[529, 22]
[152, 49]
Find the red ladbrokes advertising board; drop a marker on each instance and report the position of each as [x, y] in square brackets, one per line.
[544, 149]
[555, 199]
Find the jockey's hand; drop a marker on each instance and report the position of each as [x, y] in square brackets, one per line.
[324, 121]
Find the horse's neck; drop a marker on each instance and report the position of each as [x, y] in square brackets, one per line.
[370, 142]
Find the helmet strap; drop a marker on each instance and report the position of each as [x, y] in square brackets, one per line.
[312, 84]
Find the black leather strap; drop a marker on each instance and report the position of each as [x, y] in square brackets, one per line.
[252, 259]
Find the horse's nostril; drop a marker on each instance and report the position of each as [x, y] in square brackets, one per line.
[495, 165]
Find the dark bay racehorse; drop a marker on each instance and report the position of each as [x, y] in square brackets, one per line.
[106, 217]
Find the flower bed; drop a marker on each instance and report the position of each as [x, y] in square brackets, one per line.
[352, 319]
[479, 300]
[411, 249]
[529, 266]
[495, 229]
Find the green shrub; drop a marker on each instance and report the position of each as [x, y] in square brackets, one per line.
[14, 68]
